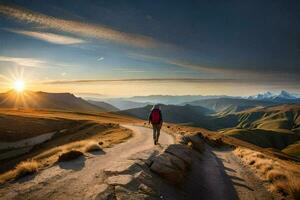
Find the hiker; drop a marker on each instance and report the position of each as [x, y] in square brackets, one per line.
[155, 118]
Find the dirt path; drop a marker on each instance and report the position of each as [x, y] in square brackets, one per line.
[78, 179]
[221, 176]
[215, 174]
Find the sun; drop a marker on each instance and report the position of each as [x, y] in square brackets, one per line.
[19, 85]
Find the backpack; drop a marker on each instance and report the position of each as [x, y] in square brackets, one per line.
[155, 116]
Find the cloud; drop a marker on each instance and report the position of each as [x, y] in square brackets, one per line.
[26, 62]
[50, 37]
[241, 73]
[181, 63]
[78, 28]
[135, 80]
[33, 62]
[101, 58]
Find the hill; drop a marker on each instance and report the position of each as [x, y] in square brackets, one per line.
[123, 104]
[264, 138]
[278, 118]
[43, 100]
[108, 107]
[230, 105]
[276, 127]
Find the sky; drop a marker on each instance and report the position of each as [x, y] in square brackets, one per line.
[139, 47]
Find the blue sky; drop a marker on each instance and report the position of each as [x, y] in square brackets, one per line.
[171, 47]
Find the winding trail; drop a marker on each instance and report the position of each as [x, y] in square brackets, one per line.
[79, 178]
[215, 174]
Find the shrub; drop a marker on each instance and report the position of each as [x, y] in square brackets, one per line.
[70, 155]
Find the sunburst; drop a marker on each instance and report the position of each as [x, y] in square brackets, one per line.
[19, 85]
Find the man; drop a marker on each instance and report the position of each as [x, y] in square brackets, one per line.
[155, 118]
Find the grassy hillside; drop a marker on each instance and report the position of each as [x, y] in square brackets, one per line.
[43, 100]
[105, 106]
[283, 117]
[264, 138]
[230, 105]
[274, 127]
[293, 149]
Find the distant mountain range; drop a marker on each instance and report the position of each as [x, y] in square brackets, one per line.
[282, 97]
[169, 99]
[218, 103]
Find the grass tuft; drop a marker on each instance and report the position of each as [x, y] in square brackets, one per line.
[275, 175]
[283, 176]
[23, 169]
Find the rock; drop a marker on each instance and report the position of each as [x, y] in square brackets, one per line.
[197, 142]
[146, 190]
[126, 167]
[181, 151]
[145, 178]
[98, 191]
[122, 193]
[120, 180]
[183, 140]
[169, 167]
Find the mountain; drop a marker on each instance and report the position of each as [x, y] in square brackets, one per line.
[282, 97]
[276, 127]
[230, 105]
[169, 99]
[192, 115]
[43, 100]
[123, 104]
[108, 107]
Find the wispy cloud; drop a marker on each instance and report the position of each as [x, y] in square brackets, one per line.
[181, 63]
[78, 28]
[25, 62]
[101, 58]
[240, 73]
[87, 81]
[33, 62]
[50, 37]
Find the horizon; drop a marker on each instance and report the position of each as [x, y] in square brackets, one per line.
[101, 96]
[133, 49]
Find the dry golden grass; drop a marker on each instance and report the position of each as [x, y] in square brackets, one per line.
[92, 146]
[104, 129]
[22, 169]
[283, 176]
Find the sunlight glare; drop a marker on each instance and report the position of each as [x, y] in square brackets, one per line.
[19, 85]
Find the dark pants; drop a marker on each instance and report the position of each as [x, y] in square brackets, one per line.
[156, 131]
